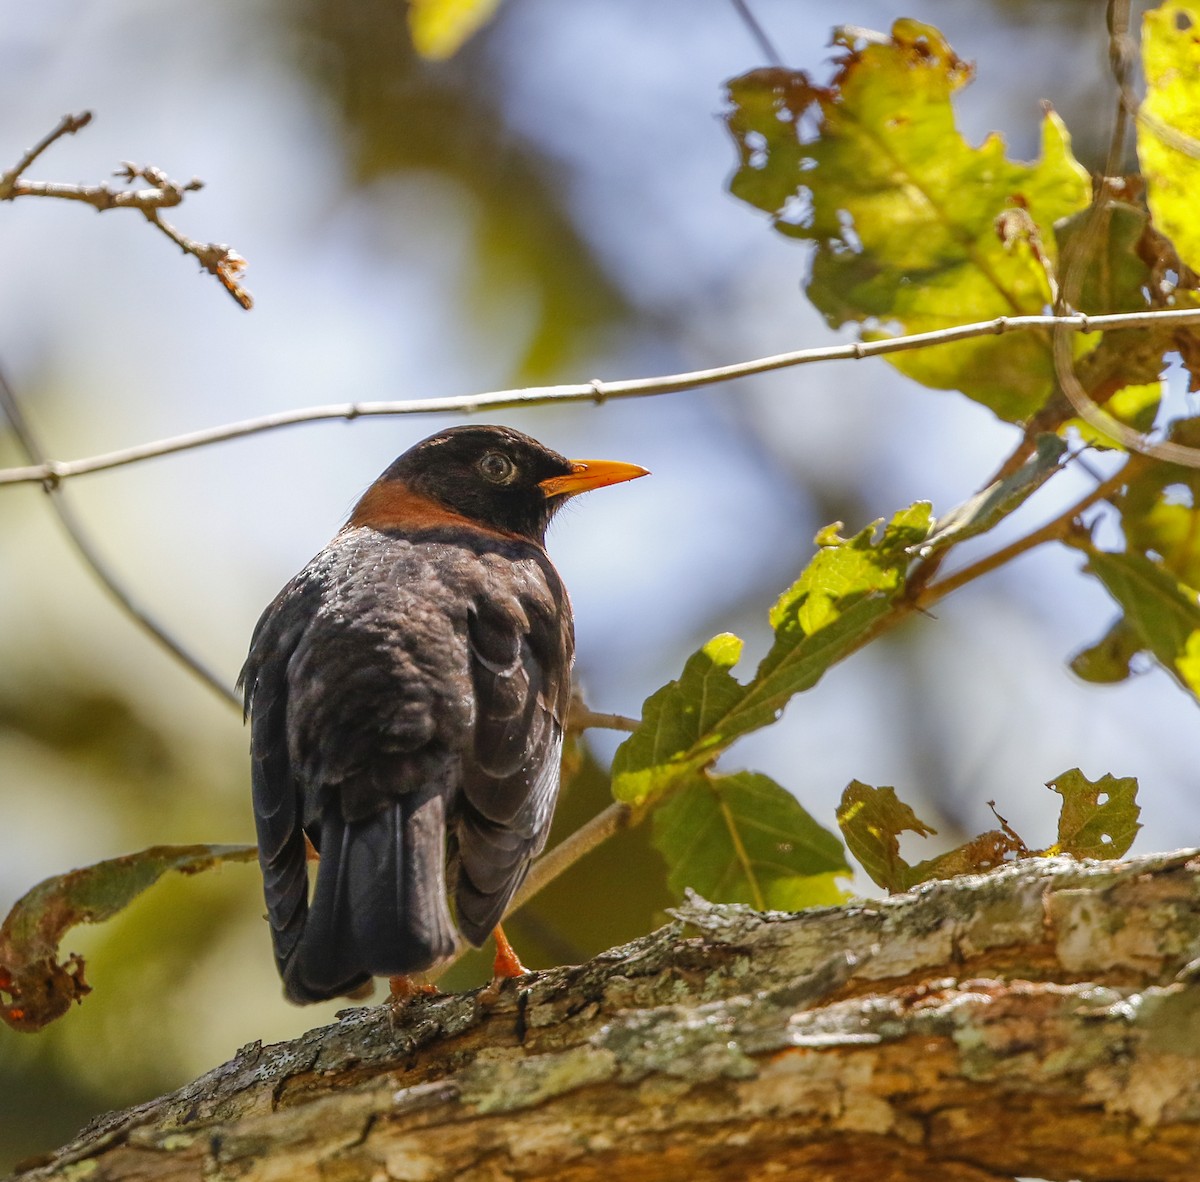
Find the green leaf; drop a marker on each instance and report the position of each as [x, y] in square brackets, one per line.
[1110, 659]
[1169, 128]
[871, 821]
[995, 502]
[904, 212]
[1163, 612]
[828, 612]
[440, 27]
[1089, 827]
[38, 988]
[744, 839]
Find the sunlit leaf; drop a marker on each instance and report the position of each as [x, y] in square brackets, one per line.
[35, 988]
[1091, 827]
[904, 212]
[744, 839]
[1169, 131]
[440, 27]
[825, 615]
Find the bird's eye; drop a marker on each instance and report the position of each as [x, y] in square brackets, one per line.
[497, 467]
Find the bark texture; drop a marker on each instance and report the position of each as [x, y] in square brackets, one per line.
[1041, 1020]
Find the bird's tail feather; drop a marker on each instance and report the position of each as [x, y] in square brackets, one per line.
[379, 907]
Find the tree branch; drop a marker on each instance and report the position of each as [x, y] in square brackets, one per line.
[87, 551]
[1037, 1020]
[594, 391]
[221, 261]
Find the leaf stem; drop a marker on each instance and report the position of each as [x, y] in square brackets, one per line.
[1056, 530]
[587, 837]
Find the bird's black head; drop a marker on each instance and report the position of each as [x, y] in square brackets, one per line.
[495, 476]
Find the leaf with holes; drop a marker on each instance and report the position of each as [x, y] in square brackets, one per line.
[744, 839]
[1089, 827]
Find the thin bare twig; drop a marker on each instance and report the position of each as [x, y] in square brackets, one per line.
[67, 125]
[91, 557]
[757, 32]
[583, 719]
[164, 193]
[593, 391]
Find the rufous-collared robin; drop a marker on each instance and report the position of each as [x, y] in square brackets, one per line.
[407, 692]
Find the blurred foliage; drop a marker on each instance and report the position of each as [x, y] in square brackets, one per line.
[403, 114]
[439, 27]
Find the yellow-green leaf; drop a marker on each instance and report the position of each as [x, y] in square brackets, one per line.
[744, 839]
[1169, 130]
[440, 27]
[904, 212]
[825, 615]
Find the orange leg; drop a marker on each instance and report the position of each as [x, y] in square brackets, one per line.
[507, 963]
[404, 989]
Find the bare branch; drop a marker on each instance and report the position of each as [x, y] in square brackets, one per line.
[68, 125]
[599, 391]
[742, 8]
[91, 556]
[164, 193]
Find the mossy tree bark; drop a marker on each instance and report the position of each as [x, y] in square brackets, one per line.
[1041, 1020]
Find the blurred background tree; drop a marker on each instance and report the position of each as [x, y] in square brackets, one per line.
[549, 204]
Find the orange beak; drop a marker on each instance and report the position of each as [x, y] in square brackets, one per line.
[588, 474]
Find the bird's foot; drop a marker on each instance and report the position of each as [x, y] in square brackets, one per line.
[505, 967]
[507, 963]
[404, 990]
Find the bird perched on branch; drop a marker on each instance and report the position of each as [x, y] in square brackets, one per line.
[407, 692]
